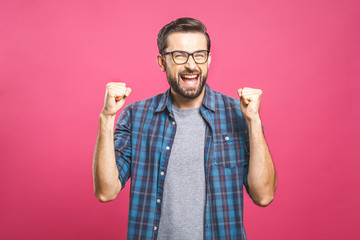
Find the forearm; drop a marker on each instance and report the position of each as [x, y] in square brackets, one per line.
[261, 175]
[105, 174]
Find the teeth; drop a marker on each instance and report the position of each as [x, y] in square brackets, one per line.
[190, 76]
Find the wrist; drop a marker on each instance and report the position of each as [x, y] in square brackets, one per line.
[107, 117]
[106, 124]
[254, 120]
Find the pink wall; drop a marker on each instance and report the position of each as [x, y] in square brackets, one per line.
[57, 56]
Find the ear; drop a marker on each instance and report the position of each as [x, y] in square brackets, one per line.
[209, 59]
[161, 62]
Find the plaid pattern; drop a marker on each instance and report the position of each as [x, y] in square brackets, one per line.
[144, 134]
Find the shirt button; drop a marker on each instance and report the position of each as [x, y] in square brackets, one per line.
[158, 201]
[167, 148]
[155, 228]
[162, 173]
[173, 123]
[227, 138]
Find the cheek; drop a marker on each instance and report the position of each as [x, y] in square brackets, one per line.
[174, 72]
[204, 70]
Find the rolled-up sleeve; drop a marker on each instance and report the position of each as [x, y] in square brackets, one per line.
[246, 162]
[122, 141]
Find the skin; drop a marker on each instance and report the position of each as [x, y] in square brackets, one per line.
[261, 177]
[105, 174]
[188, 42]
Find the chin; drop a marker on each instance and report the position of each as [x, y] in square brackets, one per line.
[178, 86]
[190, 93]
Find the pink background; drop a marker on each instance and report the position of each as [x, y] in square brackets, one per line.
[57, 56]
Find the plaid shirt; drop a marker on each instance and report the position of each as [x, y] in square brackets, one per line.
[144, 135]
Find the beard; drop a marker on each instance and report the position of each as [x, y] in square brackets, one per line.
[187, 92]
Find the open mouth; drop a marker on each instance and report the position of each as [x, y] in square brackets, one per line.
[190, 80]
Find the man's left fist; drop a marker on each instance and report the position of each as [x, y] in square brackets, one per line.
[250, 102]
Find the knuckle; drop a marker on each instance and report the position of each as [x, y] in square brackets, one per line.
[121, 93]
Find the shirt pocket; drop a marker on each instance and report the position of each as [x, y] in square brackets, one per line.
[230, 149]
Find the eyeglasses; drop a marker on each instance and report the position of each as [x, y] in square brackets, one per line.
[181, 57]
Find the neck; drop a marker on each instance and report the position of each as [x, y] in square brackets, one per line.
[187, 103]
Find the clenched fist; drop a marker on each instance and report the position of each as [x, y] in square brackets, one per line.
[250, 102]
[116, 93]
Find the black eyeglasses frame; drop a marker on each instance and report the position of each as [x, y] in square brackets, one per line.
[188, 55]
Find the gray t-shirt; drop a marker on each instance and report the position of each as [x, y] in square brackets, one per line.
[183, 203]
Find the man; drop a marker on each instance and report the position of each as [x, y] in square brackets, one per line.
[188, 151]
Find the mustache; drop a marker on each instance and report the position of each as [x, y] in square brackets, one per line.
[190, 72]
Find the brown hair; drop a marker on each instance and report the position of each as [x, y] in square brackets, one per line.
[181, 25]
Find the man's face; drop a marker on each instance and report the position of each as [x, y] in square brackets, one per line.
[187, 80]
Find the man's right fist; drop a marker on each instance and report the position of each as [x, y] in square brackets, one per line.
[116, 93]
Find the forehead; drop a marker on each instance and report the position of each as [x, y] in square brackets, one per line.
[188, 41]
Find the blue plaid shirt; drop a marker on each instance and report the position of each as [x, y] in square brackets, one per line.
[144, 135]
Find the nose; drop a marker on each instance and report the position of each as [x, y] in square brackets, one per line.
[190, 64]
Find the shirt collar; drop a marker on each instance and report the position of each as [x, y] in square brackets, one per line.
[208, 101]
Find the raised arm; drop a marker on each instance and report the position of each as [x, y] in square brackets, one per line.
[105, 173]
[261, 176]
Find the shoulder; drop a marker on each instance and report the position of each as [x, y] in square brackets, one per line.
[149, 104]
[135, 111]
[228, 113]
[223, 101]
